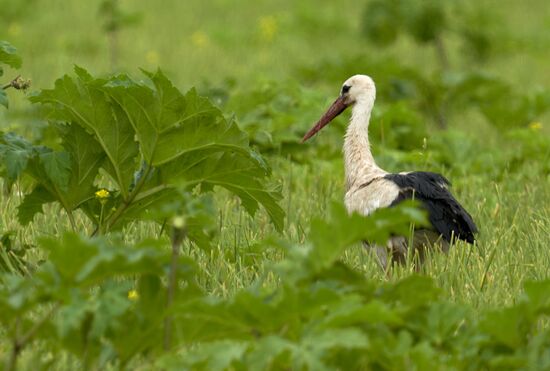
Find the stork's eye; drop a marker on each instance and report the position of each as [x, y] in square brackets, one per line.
[345, 89]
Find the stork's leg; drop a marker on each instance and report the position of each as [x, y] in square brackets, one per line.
[382, 256]
[425, 239]
[381, 253]
[394, 251]
[398, 248]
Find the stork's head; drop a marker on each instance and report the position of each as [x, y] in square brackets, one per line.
[357, 90]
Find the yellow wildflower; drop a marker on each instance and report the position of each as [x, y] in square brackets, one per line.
[133, 295]
[102, 194]
[535, 125]
[268, 28]
[200, 39]
[152, 57]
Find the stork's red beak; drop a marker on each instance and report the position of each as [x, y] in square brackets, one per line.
[335, 109]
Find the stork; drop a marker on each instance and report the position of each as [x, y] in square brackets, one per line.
[368, 187]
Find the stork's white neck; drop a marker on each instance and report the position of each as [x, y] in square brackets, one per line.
[358, 160]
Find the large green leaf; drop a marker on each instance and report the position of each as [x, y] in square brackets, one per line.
[57, 166]
[169, 124]
[15, 153]
[80, 100]
[49, 169]
[65, 176]
[193, 143]
[88, 261]
[239, 174]
[86, 158]
[182, 140]
[32, 204]
[8, 55]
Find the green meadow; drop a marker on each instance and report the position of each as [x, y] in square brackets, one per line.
[223, 244]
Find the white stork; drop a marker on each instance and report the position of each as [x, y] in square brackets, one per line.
[368, 187]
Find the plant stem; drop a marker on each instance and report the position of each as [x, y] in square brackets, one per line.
[101, 218]
[118, 213]
[178, 235]
[17, 83]
[71, 219]
[20, 342]
[11, 361]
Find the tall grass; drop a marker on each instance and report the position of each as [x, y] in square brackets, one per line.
[197, 41]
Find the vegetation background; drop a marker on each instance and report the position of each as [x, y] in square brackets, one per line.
[463, 89]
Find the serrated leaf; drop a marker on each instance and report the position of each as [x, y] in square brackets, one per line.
[193, 142]
[32, 204]
[9, 56]
[122, 260]
[86, 158]
[57, 166]
[169, 124]
[185, 135]
[87, 261]
[69, 254]
[81, 101]
[15, 153]
[238, 174]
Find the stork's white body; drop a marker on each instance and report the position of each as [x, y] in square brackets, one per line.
[368, 187]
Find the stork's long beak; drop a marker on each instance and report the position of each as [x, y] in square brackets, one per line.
[334, 110]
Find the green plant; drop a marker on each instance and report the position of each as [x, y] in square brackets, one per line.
[146, 140]
[143, 296]
[9, 57]
[77, 302]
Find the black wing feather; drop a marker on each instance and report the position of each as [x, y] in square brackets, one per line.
[446, 215]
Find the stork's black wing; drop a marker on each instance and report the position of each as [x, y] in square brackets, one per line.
[446, 215]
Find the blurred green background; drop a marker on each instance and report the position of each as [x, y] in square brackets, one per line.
[196, 40]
